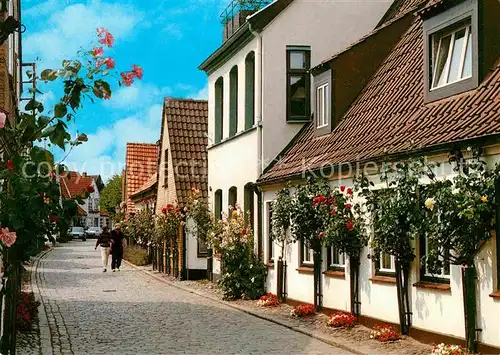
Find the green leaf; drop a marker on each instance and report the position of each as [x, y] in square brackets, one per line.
[47, 132]
[82, 138]
[60, 110]
[59, 135]
[49, 75]
[101, 89]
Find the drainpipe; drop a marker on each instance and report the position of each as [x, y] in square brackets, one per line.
[258, 114]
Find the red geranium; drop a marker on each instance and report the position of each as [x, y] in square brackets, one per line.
[303, 310]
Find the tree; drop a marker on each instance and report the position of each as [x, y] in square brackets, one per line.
[111, 195]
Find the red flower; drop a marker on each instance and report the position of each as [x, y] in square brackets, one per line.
[90, 189]
[106, 38]
[54, 218]
[331, 201]
[110, 63]
[164, 210]
[349, 191]
[127, 78]
[244, 232]
[137, 71]
[349, 225]
[342, 188]
[170, 207]
[9, 164]
[348, 206]
[98, 51]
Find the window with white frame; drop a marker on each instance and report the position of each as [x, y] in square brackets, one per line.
[386, 264]
[306, 255]
[322, 106]
[335, 259]
[451, 55]
[427, 246]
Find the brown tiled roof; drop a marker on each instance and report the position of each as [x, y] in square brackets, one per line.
[148, 185]
[399, 8]
[187, 122]
[391, 117]
[141, 162]
[104, 214]
[74, 184]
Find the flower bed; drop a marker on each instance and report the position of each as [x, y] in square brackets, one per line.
[303, 310]
[447, 349]
[384, 333]
[341, 320]
[27, 311]
[268, 300]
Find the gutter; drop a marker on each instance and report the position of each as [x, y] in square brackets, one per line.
[258, 114]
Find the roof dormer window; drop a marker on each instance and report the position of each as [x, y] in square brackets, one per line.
[451, 49]
[452, 55]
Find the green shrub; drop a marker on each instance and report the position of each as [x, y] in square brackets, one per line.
[136, 255]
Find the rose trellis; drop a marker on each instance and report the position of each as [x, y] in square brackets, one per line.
[461, 218]
[30, 200]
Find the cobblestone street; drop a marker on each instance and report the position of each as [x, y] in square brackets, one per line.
[91, 312]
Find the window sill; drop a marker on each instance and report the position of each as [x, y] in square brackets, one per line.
[306, 270]
[202, 255]
[383, 279]
[305, 120]
[237, 135]
[433, 286]
[335, 274]
[495, 295]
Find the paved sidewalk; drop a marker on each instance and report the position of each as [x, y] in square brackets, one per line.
[91, 312]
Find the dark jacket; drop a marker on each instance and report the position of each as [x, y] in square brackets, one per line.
[117, 240]
[104, 239]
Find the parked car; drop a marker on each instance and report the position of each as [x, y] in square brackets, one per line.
[93, 232]
[78, 233]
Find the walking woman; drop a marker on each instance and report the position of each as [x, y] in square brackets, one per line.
[104, 241]
[117, 241]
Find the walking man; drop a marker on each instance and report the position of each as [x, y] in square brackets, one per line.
[117, 241]
[104, 241]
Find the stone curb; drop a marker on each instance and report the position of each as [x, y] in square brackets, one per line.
[311, 334]
[43, 323]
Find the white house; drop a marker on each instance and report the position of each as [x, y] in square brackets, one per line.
[74, 184]
[259, 87]
[431, 84]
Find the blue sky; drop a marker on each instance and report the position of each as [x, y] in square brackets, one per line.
[168, 38]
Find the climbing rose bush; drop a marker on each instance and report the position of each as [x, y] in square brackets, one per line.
[26, 311]
[8, 238]
[243, 274]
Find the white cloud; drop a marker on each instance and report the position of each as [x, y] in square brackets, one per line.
[137, 96]
[173, 30]
[104, 153]
[201, 94]
[73, 27]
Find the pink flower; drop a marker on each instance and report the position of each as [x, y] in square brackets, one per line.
[110, 63]
[3, 118]
[348, 206]
[106, 38]
[138, 71]
[127, 78]
[321, 235]
[8, 238]
[98, 51]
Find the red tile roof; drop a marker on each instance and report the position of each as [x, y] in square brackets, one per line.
[187, 122]
[74, 184]
[391, 117]
[141, 163]
[150, 184]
